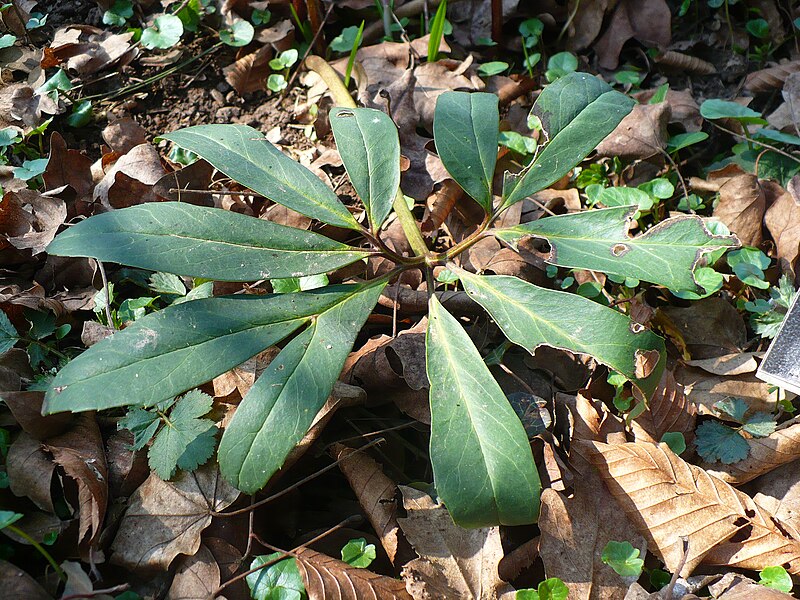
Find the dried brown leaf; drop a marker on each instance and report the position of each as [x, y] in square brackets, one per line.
[130, 180]
[741, 207]
[377, 495]
[30, 471]
[247, 73]
[575, 532]
[710, 327]
[166, 518]
[326, 578]
[729, 364]
[196, 578]
[783, 220]
[81, 454]
[641, 134]
[18, 585]
[453, 562]
[27, 410]
[771, 78]
[734, 586]
[669, 499]
[669, 410]
[648, 22]
[705, 389]
[35, 217]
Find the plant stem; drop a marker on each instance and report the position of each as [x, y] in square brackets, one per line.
[409, 224]
[14, 529]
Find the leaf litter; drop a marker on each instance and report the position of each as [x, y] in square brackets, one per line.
[87, 484]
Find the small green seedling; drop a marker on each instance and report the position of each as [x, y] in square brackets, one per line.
[492, 68]
[165, 32]
[767, 315]
[164, 354]
[437, 32]
[119, 13]
[549, 589]
[776, 578]
[351, 60]
[623, 558]
[561, 64]
[7, 40]
[240, 33]
[358, 553]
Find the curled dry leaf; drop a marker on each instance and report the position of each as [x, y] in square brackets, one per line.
[130, 181]
[27, 410]
[326, 578]
[648, 22]
[574, 533]
[766, 454]
[641, 134]
[18, 585]
[196, 578]
[684, 62]
[35, 217]
[728, 365]
[377, 495]
[771, 78]
[248, 72]
[30, 471]
[166, 518]
[669, 499]
[81, 454]
[453, 562]
[669, 410]
[741, 207]
[68, 167]
[710, 327]
[783, 220]
[86, 50]
[705, 389]
[123, 135]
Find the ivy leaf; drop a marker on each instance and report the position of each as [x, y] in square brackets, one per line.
[281, 581]
[718, 442]
[181, 429]
[623, 558]
[357, 553]
[761, 424]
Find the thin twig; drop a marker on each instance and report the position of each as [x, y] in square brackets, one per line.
[284, 553]
[292, 487]
[752, 141]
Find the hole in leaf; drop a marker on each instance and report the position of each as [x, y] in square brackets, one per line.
[343, 114]
[620, 249]
[781, 528]
[637, 327]
[750, 512]
[743, 534]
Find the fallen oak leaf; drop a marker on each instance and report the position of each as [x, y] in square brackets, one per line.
[669, 410]
[669, 499]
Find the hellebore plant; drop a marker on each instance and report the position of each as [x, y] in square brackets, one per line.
[483, 467]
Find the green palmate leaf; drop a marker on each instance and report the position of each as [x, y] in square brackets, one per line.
[598, 240]
[531, 316]
[243, 154]
[166, 353]
[577, 112]
[483, 468]
[718, 442]
[202, 242]
[181, 432]
[357, 553]
[368, 143]
[278, 410]
[465, 127]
